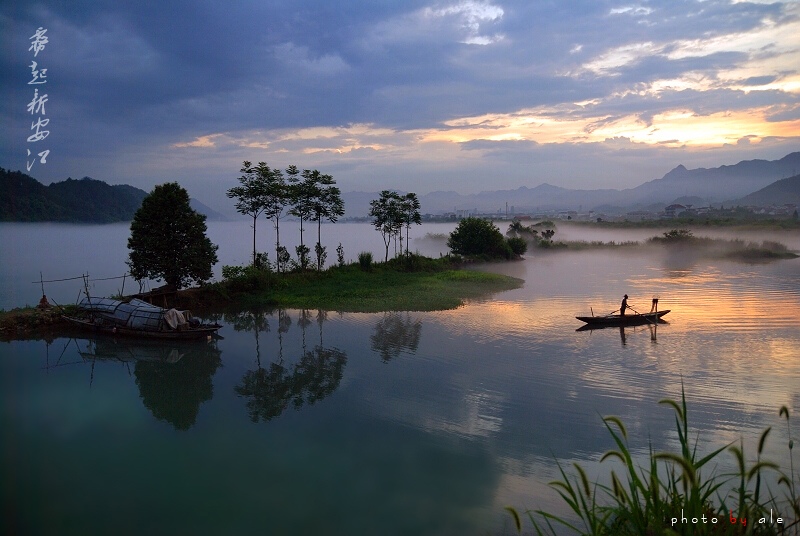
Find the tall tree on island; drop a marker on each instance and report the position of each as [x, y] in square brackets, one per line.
[303, 194]
[409, 213]
[168, 239]
[327, 205]
[386, 216]
[251, 194]
[279, 196]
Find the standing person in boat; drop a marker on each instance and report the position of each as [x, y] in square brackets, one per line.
[624, 305]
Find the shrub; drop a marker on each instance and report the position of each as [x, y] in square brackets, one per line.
[518, 245]
[678, 235]
[365, 260]
[478, 237]
[340, 255]
[248, 278]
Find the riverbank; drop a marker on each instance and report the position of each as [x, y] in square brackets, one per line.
[433, 285]
[32, 322]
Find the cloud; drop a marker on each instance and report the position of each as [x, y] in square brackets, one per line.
[300, 58]
[427, 92]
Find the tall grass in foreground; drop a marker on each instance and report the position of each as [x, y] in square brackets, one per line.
[671, 496]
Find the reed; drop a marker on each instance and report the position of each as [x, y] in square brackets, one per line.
[674, 489]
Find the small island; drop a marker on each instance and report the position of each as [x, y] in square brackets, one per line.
[177, 251]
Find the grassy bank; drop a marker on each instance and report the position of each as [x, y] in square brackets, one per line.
[419, 284]
[25, 322]
[429, 285]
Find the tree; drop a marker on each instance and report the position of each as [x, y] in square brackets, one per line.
[476, 236]
[303, 194]
[328, 205]
[251, 193]
[278, 196]
[409, 213]
[168, 239]
[385, 214]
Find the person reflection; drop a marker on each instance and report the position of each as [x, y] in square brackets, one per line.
[173, 392]
[394, 334]
[622, 336]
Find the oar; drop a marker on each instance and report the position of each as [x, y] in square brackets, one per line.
[640, 314]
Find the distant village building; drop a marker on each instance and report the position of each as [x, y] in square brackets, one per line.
[673, 210]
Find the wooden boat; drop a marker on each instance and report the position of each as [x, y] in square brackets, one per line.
[634, 319]
[137, 318]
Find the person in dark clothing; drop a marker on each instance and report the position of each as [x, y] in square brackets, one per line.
[624, 305]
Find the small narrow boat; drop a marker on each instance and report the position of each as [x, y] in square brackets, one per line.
[634, 319]
[138, 318]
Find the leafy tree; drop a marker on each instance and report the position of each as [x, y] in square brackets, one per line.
[278, 196]
[168, 239]
[303, 194]
[476, 236]
[409, 213]
[251, 194]
[327, 205]
[386, 216]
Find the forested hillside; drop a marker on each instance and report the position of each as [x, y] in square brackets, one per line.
[23, 198]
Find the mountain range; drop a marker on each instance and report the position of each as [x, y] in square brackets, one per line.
[724, 184]
[750, 182]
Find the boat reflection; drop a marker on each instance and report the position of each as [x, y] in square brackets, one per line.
[651, 327]
[106, 348]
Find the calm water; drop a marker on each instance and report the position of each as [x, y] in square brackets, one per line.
[305, 422]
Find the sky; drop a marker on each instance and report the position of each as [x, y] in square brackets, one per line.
[419, 95]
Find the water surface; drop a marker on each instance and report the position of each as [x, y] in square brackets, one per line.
[394, 423]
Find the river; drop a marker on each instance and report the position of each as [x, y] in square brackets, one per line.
[314, 422]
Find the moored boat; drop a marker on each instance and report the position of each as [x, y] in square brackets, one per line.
[138, 318]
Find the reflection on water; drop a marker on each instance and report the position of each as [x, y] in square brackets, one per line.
[173, 392]
[173, 377]
[399, 423]
[311, 377]
[395, 334]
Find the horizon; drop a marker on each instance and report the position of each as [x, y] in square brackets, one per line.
[423, 97]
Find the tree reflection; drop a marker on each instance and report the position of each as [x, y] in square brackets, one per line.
[255, 321]
[394, 334]
[316, 375]
[268, 391]
[173, 391]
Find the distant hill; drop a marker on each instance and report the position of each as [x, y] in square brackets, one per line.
[703, 186]
[779, 192]
[23, 198]
[210, 213]
[715, 184]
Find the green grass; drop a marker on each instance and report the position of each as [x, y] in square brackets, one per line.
[674, 485]
[418, 284]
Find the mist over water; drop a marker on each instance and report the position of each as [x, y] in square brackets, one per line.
[403, 423]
